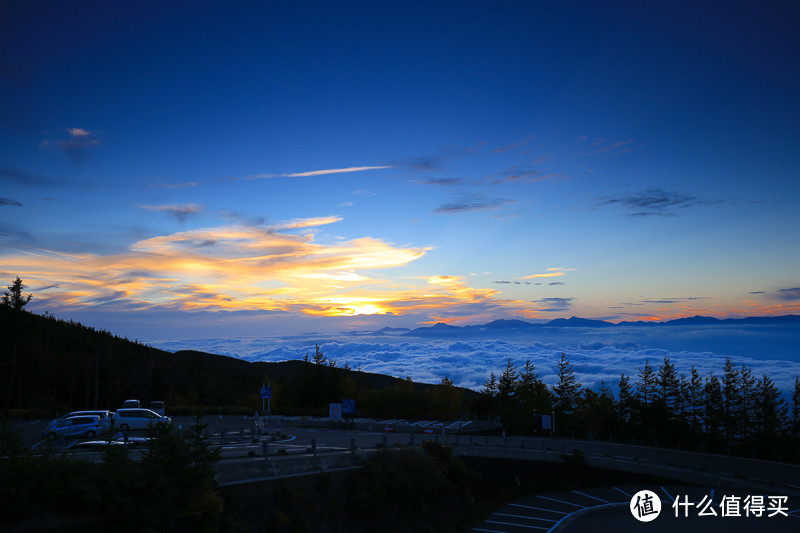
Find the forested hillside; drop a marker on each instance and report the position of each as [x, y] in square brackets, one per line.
[50, 366]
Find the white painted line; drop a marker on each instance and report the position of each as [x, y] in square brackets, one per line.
[537, 508]
[516, 525]
[560, 501]
[590, 496]
[623, 492]
[525, 517]
[595, 507]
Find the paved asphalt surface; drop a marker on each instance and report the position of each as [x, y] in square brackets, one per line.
[595, 509]
[608, 509]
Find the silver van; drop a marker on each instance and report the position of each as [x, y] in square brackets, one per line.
[157, 406]
[126, 419]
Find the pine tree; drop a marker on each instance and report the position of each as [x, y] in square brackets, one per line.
[682, 405]
[567, 390]
[667, 386]
[490, 386]
[507, 384]
[748, 402]
[796, 407]
[714, 406]
[771, 408]
[646, 386]
[13, 297]
[624, 406]
[696, 400]
[731, 400]
[606, 407]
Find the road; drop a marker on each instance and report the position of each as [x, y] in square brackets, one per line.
[608, 509]
[293, 440]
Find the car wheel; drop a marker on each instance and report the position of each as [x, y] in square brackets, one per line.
[123, 427]
[90, 434]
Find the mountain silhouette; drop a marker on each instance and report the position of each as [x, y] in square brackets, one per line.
[516, 326]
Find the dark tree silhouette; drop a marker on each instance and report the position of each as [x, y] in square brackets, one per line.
[567, 390]
[13, 297]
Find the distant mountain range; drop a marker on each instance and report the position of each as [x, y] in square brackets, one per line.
[519, 326]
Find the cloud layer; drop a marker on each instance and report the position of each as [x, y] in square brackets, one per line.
[280, 268]
[468, 362]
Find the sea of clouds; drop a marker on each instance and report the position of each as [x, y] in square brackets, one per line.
[596, 354]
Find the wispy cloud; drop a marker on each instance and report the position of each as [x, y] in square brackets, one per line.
[8, 201]
[21, 177]
[522, 175]
[309, 173]
[606, 146]
[239, 268]
[305, 223]
[167, 185]
[77, 145]
[554, 305]
[675, 300]
[332, 171]
[78, 132]
[219, 268]
[512, 146]
[654, 202]
[551, 273]
[789, 294]
[448, 182]
[180, 211]
[466, 203]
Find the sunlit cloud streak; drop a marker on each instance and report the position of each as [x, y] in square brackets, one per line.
[551, 273]
[239, 268]
[332, 171]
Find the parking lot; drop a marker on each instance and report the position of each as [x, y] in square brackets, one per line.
[608, 509]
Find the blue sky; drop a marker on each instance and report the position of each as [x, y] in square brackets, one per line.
[186, 169]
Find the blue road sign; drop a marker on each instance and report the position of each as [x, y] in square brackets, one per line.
[266, 392]
[348, 407]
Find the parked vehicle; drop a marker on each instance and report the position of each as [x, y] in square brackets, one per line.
[76, 426]
[127, 419]
[158, 406]
[106, 418]
[131, 404]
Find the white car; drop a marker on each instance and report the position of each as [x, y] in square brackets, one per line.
[127, 419]
[106, 418]
[75, 426]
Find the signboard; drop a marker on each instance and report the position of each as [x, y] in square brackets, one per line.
[349, 407]
[266, 392]
[543, 421]
[336, 411]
